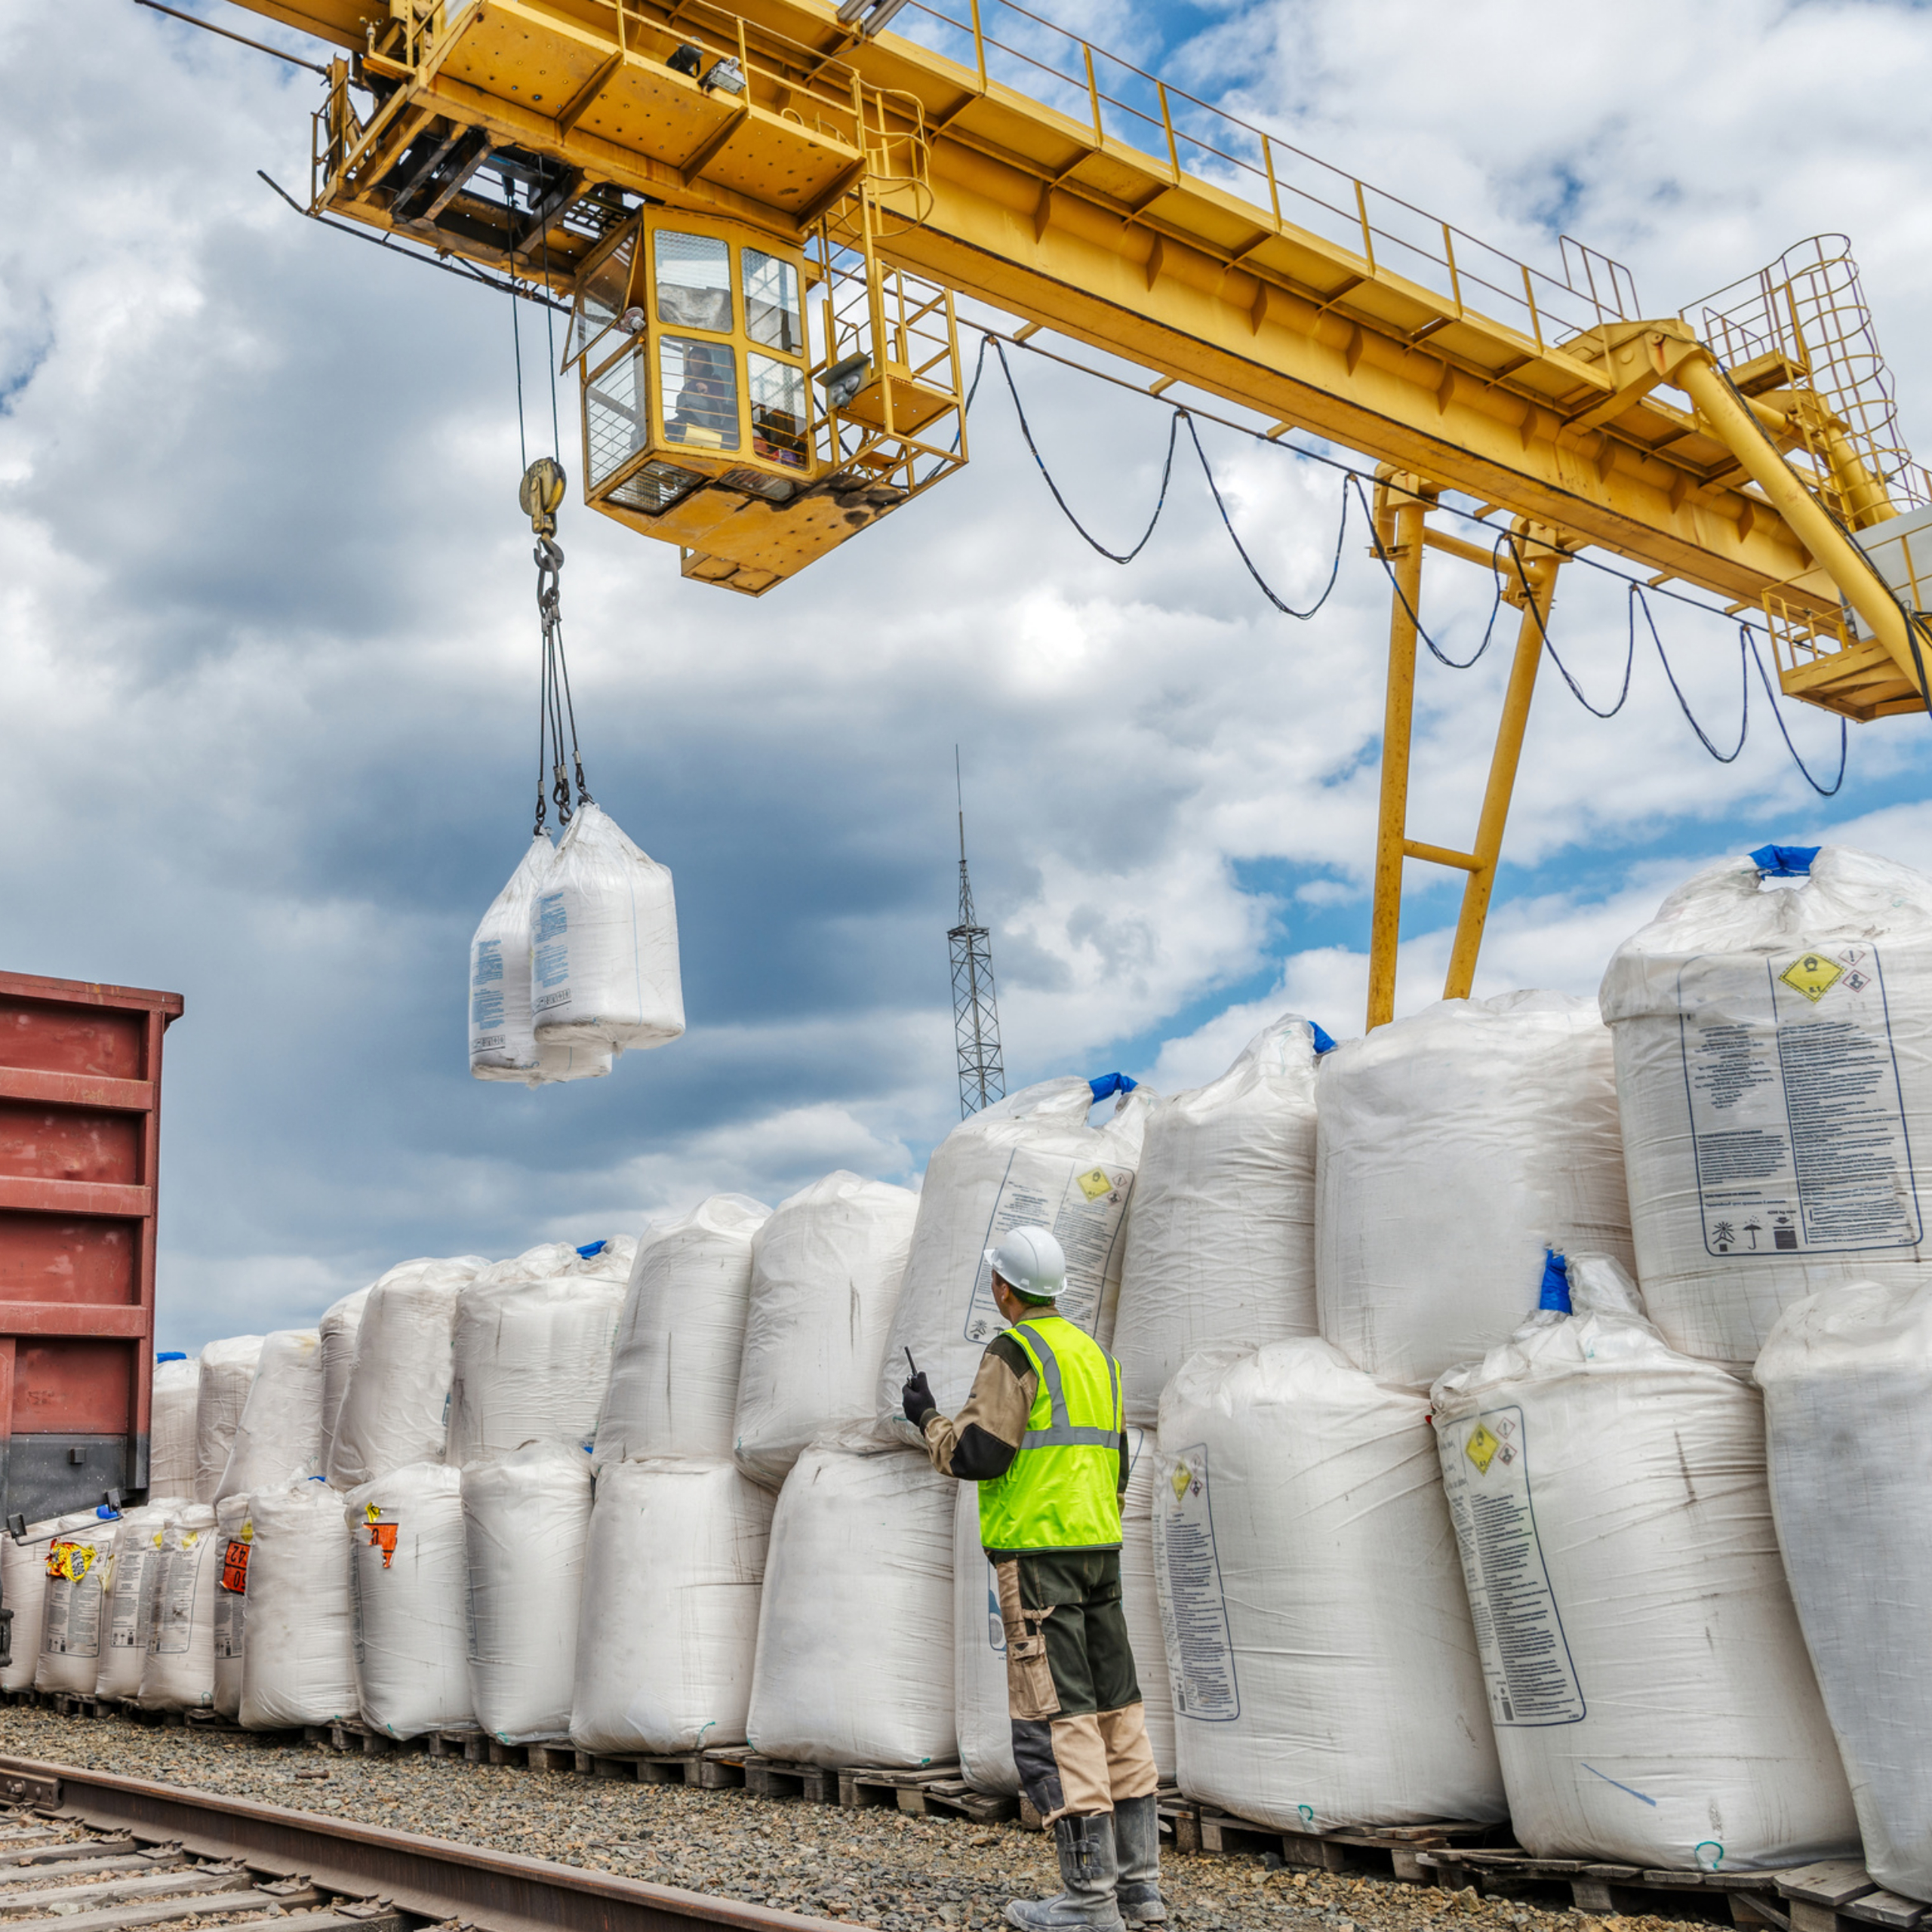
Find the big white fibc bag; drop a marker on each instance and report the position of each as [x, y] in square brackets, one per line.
[1773, 1031]
[226, 1371]
[80, 1567]
[825, 1270]
[855, 1625]
[1029, 1159]
[1455, 1148]
[668, 1626]
[979, 1637]
[502, 1046]
[604, 944]
[340, 1324]
[674, 1381]
[298, 1665]
[1220, 1246]
[23, 1590]
[235, 1533]
[526, 1518]
[1318, 1640]
[395, 1409]
[279, 1437]
[1847, 1375]
[179, 1673]
[178, 1387]
[130, 1609]
[1647, 1683]
[412, 1592]
[532, 1360]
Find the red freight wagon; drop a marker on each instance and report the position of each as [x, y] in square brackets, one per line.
[80, 1137]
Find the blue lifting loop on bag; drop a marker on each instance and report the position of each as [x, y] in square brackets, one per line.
[1555, 1282]
[1324, 1044]
[1785, 861]
[1106, 1085]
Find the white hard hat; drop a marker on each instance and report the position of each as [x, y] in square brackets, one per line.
[1031, 1263]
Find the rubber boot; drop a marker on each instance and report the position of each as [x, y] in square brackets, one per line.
[1088, 1872]
[1137, 1858]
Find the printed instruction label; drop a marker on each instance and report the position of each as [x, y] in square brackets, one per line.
[174, 1604]
[549, 954]
[1194, 1609]
[1082, 1204]
[486, 995]
[1526, 1665]
[133, 1607]
[70, 1625]
[231, 1623]
[1798, 1123]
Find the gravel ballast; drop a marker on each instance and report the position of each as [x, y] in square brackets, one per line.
[874, 1867]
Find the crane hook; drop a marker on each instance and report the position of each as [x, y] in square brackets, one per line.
[541, 494]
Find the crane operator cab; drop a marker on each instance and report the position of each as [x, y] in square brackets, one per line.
[707, 422]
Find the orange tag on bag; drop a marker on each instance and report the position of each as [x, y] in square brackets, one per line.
[234, 1567]
[382, 1535]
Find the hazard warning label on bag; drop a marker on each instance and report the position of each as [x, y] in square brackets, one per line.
[1526, 1666]
[1083, 1207]
[1193, 1608]
[1798, 1123]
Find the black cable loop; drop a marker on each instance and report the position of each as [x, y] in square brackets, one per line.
[1844, 735]
[1352, 481]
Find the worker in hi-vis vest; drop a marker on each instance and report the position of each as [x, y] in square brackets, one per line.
[1041, 1434]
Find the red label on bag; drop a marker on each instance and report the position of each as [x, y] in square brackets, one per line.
[234, 1567]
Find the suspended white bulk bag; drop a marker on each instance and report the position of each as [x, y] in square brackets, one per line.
[412, 1589]
[177, 1389]
[79, 1565]
[129, 1586]
[1647, 1679]
[531, 1361]
[179, 1673]
[1030, 1159]
[227, 1372]
[1220, 1246]
[1774, 1067]
[23, 1590]
[825, 1270]
[1847, 1381]
[668, 1626]
[339, 1327]
[1323, 1669]
[604, 944]
[396, 1407]
[674, 1381]
[855, 1622]
[279, 1438]
[298, 1666]
[526, 1517]
[235, 1532]
[502, 1046]
[1454, 1148]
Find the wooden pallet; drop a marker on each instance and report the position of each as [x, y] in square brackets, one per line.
[1395, 1851]
[1839, 1895]
[721, 1768]
[1601, 1887]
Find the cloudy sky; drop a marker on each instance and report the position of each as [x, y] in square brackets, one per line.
[269, 653]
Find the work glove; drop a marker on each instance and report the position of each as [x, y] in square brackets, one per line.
[917, 1398]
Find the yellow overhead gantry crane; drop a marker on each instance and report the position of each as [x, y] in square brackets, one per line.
[761, 219]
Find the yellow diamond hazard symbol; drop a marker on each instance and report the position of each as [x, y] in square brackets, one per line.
[1480, 1449]
[1181, 1478]
[1094, 1183]
[1813, 975]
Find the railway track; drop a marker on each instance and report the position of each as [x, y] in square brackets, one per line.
[87, 1851]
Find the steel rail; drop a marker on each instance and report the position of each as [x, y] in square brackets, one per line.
[431, 1878]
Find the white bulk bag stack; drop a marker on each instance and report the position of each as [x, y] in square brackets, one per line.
[179, 1674]
[279, 1437]
[178, 1387]
[856, 1623]
[80, 1568]
[502, 1046]
[23, 1590]
[1323, 1669]
[526, 1517]
[396, 1407]
[235, 1534]
[136, 1562]
[532, 1360]
[1774, 1066]
[226, 1371]
[412, 1587]
[668, 1626]
[339, 1327]
[825, 1270]
[1030, 1159]
[298, 1666]
[1454, 1148]
[603, 947]
[1647, 1679]
[674, 1382]
[1220, 1246]
[1847, 1381]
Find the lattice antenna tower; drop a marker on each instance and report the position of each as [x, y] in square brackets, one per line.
[975, 1011]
